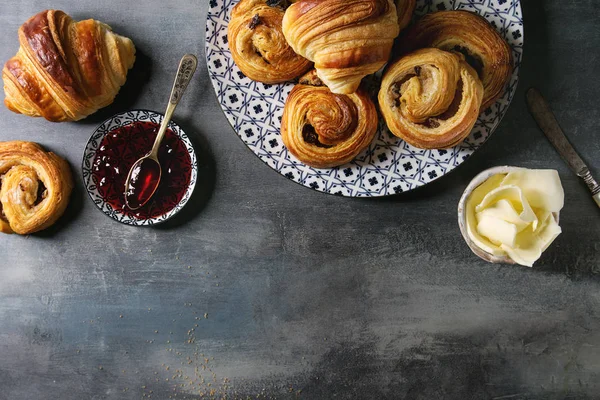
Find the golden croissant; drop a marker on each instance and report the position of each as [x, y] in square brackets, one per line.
[258, 46]
[65, 70]
[431, 98]
[468, 33]
[346, 39]
[34, 187]
[323, 129]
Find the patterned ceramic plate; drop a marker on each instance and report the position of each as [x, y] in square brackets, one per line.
[389, 165]
[91, 149]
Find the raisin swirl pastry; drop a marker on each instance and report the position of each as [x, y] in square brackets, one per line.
[65, 70]
[323, 129]
[258, 46]
[34, 187]
[346, 39]
[474, 37]
[431, 98]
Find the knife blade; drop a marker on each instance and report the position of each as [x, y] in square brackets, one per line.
[540, 109]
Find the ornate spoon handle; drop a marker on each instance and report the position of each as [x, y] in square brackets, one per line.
[185, 72]
[187, 68]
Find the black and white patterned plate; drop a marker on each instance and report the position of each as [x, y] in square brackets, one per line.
[389, 165]
[117, 121]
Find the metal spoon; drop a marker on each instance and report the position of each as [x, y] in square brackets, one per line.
[144, 177]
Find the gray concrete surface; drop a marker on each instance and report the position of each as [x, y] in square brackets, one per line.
[306, 295]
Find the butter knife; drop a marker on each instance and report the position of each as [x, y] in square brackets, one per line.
[547, 122]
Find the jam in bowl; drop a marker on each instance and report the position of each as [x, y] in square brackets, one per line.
[113, 149]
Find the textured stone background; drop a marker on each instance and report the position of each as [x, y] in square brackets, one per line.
[306, 294]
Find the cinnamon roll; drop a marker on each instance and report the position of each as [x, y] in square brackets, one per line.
[323, 129]
[474, 37]
[258, 46]
[346, 39]
[431, 98]
[34, 187]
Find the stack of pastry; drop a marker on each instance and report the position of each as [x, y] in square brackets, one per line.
[451, 65]
[328, 119]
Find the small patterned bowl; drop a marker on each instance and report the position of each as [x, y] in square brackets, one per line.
[462, 214]
[118, 121]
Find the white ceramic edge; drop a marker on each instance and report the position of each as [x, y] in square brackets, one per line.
[132, 221]
[462, 215]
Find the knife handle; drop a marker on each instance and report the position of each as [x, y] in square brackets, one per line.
[586, 175]
[589, 180]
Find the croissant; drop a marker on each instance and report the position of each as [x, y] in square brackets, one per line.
[346, 39]
[258, 46]
[323, 129]
[34, 187]
[468, 33]
[405, 10]
[65, 70]
[431, 98]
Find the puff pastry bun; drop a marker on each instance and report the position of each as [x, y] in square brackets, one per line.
[34, 187]
[346, 39]
[323, 129]
[468, 33]
[405, 10]
[431, 98]
[65, 70]
[258, 46]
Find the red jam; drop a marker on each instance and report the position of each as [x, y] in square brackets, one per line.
[121, 148]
